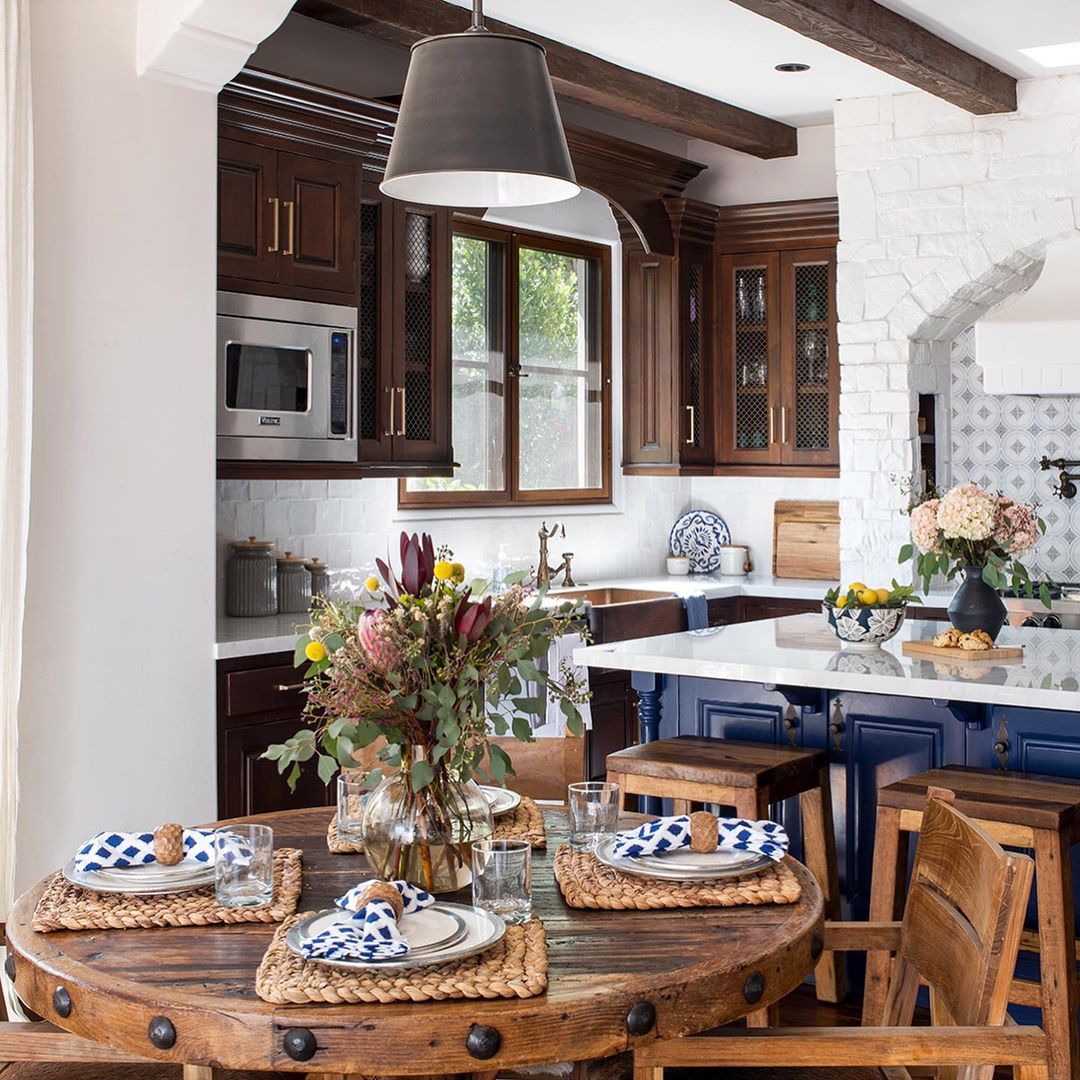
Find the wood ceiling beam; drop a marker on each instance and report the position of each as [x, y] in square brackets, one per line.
[894, 44]
[576, 75]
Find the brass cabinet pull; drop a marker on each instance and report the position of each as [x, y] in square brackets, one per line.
[690, 441]
[277, 223]
[390, 390]
[291, 207]
[401, 421]
[783, 423]
[772, 424]
[284, 688]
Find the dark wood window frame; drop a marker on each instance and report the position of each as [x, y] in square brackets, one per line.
[513, 240]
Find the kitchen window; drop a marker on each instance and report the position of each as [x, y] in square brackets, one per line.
[530, 336]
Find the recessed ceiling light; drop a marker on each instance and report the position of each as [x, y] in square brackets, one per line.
[792, 67]
[1065, 54]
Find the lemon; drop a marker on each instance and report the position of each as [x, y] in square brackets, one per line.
[315, 651]
[883, 595]
[444, 570]
[457, 572]
[868, 597]
[371, 584]
[841, 601]
[856, 587]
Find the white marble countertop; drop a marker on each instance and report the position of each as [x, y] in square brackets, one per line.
[801, 650]
[278, 633]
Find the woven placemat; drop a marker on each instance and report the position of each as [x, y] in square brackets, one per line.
[524, 822]
[587, 883]
[514, 968]
[64, 906]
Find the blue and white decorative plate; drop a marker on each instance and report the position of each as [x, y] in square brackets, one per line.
[699, 535]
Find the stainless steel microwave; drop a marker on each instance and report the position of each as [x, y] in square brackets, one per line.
[286, 379]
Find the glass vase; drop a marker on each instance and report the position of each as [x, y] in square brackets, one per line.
[976, 605]
[425, 836]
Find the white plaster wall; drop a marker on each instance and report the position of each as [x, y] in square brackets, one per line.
[731, 178]
[116, 724]
[942, 216]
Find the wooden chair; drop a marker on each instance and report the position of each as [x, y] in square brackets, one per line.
[543, 768]
[960, 934]
[1029, 811]
[750, 777]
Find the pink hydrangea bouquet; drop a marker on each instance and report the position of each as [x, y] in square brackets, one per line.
[970, 526]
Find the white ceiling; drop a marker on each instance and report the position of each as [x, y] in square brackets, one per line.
[725, 52]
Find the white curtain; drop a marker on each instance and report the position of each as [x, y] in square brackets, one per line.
[16, 323]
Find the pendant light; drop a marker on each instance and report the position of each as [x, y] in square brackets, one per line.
[478, 124]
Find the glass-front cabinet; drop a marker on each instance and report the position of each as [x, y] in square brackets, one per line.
[779, 376]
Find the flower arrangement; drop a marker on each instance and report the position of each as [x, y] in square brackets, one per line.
[435, 668]
[969, 526]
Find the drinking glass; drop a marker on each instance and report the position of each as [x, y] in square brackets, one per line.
[594, 813]
[350, 808]
[502, 878]
[244, 865]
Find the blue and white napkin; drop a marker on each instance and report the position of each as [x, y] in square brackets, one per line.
[120, 850]
[671, 833]
[372, 932]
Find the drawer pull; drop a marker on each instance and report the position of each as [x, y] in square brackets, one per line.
[284, 688]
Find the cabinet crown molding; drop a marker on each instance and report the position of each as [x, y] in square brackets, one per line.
[777, 226]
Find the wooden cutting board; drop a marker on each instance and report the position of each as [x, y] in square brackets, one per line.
[996, 652]
[806, 539]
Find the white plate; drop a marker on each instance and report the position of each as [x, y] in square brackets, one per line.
[655, 865]
[696, 862]
[150, 880]
[482, 931]
[501, 800]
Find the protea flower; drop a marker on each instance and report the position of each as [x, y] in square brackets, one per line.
[417, 566]
[381, 654]
[471, 620]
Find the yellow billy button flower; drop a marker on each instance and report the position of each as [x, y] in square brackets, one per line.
[457, 572]
[371, 584]
[444, 570]
[315, 651]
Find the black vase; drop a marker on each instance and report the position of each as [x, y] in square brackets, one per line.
[976, 606]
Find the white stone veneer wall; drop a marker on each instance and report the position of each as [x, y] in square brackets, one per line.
[943, 215]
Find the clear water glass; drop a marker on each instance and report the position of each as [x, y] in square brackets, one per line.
[502, 878]
[594, 813]
[350, 808]
[244, 865]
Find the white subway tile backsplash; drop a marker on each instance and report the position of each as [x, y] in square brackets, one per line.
[302, 517]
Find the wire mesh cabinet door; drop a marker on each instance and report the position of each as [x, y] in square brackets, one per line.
[750, 374]
[811, 374]
[695, 359]
[421, 352]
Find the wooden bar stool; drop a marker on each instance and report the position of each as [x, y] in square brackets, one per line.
[1021, 810]
[693, 770]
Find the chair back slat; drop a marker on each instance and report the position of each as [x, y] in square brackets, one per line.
[963, 917]
[545, 766]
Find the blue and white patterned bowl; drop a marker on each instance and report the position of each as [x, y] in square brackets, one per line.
[699, 535]
[864, 627]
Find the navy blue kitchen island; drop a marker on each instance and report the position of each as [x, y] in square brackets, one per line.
[881, 715]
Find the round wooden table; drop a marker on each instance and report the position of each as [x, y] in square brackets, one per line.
[615, 978]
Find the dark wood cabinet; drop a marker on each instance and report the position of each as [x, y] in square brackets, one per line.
[614, 718]
[287, 222]
[403, 344]
[778, 374]
[259, 703]
[669, 338]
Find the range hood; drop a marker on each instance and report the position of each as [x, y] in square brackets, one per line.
[1031, 345]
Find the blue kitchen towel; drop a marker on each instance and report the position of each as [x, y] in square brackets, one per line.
[697, 612]
[120, 850]
[672, 833]
[371, 933]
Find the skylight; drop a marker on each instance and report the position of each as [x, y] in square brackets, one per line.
[1064, 54]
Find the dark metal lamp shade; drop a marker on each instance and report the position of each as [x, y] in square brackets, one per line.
[478, 126]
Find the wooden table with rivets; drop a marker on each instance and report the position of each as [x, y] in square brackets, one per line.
[614, 978]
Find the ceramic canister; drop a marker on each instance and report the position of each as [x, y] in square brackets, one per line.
[734, 559]
[251, 579]
[293, 584]
[320, 576]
